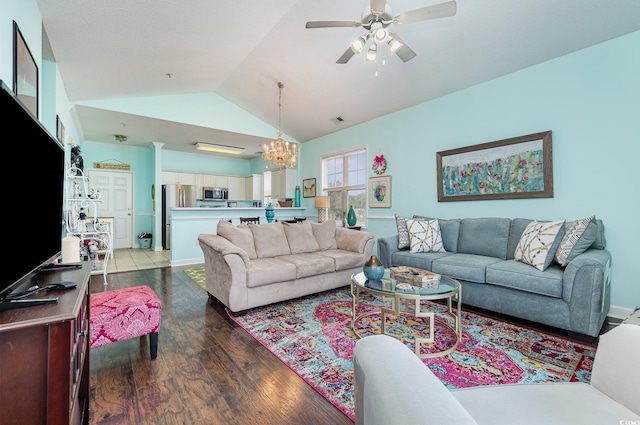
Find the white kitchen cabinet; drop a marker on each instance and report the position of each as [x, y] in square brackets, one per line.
[283, 183]
[210, 180]
[174, 177]
[220, 181]
[199, 185]
[253, 187]
[187, 178]
[170, 177]
[236, 188]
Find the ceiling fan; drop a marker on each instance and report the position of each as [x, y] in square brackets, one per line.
[376, 18]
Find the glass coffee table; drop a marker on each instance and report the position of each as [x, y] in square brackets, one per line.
[405, 297]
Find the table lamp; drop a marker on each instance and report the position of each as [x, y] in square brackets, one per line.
[322, 204]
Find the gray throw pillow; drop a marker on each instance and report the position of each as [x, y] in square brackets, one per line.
[578, 237]
[404, 241]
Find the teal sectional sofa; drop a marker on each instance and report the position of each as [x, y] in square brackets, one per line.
[482, 253]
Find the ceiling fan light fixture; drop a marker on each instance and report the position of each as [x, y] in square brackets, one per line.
[394, 44]
[218, 148]
[371, 53]
[358, 44]
[381, 35]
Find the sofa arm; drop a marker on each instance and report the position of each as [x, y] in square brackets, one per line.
[393, 386]
[353, 240]
[615, 370]
[217, 245]
[586, 288]
[386, 247]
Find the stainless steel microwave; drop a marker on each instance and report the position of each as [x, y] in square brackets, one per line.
[215, 193]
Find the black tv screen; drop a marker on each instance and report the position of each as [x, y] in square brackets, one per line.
[34, 180]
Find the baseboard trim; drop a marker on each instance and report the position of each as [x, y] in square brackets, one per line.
[618, 312]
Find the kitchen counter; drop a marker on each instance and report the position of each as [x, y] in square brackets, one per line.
[189, 222]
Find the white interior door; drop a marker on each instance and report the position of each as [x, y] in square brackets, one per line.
[116, 190]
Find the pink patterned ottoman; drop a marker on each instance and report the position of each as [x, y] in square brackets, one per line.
[125, 313]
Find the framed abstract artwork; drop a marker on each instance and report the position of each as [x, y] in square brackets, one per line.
[380, 192]
[520, 167]
[25, 73]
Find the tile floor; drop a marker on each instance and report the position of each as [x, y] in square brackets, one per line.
[138, 259]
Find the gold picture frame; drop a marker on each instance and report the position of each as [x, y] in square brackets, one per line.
[380, 192]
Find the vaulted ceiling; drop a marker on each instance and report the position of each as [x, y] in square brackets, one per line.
[240, 49]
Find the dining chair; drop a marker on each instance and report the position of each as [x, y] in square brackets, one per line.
[254, 220]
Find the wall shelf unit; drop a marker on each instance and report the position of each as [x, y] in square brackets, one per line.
[83, 222]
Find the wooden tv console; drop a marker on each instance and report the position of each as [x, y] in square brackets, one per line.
[44, 354]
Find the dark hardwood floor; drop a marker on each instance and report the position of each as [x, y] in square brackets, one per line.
[208, 369]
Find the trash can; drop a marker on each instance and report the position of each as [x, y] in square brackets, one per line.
[144, 240]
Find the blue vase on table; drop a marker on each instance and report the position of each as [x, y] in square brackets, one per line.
[373, 268]
[270, 213]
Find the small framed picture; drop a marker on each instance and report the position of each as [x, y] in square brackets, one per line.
[25, 73]
[59, 130]
[380, 192]
[309, 188]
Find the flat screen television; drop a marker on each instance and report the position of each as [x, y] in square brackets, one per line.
[34, 182]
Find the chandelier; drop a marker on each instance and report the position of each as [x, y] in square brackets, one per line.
[280, 153]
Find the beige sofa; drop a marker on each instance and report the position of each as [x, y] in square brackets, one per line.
[251, 265]
[393, 386]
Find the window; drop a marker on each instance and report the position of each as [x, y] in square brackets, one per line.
[344, 180]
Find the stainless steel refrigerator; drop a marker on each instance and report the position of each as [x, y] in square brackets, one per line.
[173, 196]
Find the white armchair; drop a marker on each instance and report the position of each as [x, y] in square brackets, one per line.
[393, 386]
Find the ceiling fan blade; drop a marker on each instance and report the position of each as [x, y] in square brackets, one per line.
[348, 54]
[332, 24]
[405, 53]
[441, 10]
[378, 5]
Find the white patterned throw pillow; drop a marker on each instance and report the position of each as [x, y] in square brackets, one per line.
[425, 236]
[575, 241]
[537, 243]
[404, 241]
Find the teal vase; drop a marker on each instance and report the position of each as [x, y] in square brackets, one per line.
[270, 213]
[296, 202]
[351, 217]
[373, 268]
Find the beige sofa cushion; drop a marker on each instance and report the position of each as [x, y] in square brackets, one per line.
[270, 239]
[300, 237]
[344, 259]
[310, 264]
[265, 271]
[241, 236]
[325, 234]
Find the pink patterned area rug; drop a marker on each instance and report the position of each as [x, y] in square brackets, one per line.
[313, 336]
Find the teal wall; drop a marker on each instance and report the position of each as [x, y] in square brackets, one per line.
[590, 100]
